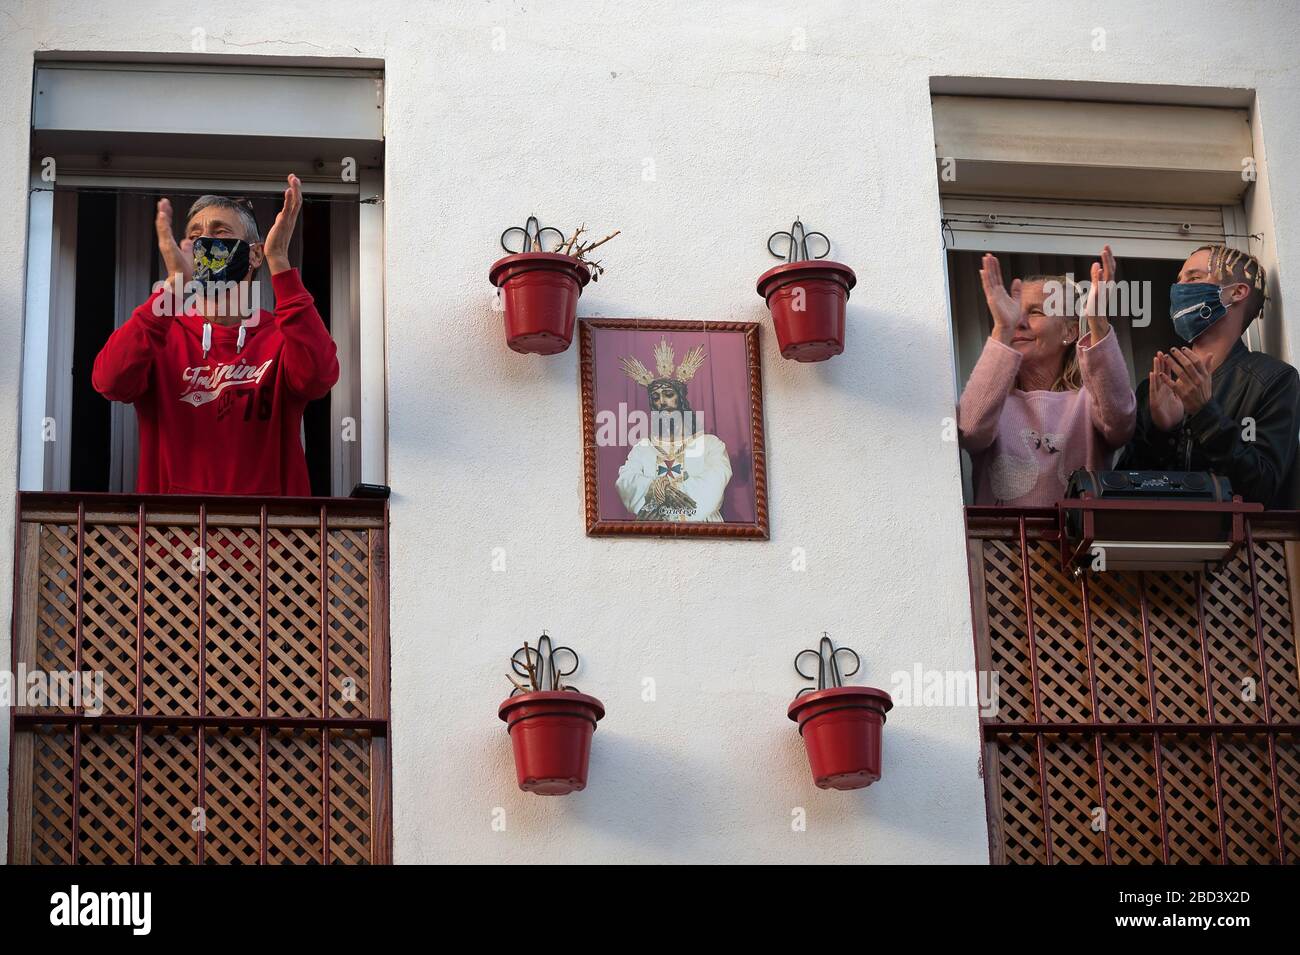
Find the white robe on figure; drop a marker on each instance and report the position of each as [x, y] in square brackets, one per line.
[702, 460]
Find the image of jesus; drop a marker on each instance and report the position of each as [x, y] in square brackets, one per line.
[679, 472]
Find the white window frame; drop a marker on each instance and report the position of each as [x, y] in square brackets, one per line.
[372, 329]
[50, 280]
[47, 331]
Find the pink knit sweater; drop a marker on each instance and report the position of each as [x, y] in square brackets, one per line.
[1025, 444]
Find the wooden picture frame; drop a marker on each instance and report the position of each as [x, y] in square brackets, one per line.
[611, 353]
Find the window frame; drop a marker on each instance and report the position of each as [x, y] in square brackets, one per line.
[46, 386]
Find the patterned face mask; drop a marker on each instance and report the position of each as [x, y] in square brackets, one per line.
[1194, 307]
[220, 260]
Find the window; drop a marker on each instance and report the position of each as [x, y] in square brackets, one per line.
[1043, 184]
[242, 646]
[107, 142]
[1122, 733]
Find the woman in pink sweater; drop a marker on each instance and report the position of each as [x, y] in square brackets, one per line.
[1041, 402]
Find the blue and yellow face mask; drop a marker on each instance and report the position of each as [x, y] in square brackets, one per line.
[220, 260]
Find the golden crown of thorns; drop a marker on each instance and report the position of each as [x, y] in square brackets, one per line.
[664, 359]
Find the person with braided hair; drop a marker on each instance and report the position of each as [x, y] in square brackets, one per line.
[1212, 404]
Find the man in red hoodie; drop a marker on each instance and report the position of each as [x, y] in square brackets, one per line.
[219, 385]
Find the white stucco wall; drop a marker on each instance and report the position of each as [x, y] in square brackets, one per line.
[745, 130]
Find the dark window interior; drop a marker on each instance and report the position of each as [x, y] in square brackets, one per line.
[315, 227]
[1143, 342]
[96, 296]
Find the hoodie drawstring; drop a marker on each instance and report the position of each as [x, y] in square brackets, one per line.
[207, 338]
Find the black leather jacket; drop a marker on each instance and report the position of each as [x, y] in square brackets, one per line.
[1247, 385]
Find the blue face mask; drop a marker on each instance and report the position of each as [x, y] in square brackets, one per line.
[1194, 307]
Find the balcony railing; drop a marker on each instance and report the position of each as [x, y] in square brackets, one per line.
[1144, 716]
[243, 650]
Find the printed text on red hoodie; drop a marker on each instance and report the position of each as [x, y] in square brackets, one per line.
[226, 422]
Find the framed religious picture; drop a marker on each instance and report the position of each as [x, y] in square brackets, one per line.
[672, 426]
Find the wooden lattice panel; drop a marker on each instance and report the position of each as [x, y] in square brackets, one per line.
[1176, 658]
[1288, 789]
[1059, 637]
[1191, 804]
[1075, 804]
[349, 611]
[1229, 617]
[107, 803]
[1115, 606]
[1132, 799]
[1273, 588]
[293, 620]
[1250, 824]
[56, 602]
[1020, 800]
[351, 798]
[109, 604]
[51, 800]
[171, 621]
[1134, 673]
[233, 651]
[217, 638]
[169, 796]
[232, 809]
[1008, 630]
[294, 829]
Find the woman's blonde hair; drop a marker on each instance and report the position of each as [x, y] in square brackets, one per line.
[1070, 378]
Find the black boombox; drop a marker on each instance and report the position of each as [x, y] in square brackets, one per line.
[1151, 485]
[1179, 485]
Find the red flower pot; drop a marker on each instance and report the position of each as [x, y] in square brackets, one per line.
[540, 292]
[807, 300]
[841, 728]
[551, 734]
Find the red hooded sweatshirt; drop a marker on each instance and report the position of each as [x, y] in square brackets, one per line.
[226, 422]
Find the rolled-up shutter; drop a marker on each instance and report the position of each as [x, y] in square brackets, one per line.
[1046, 226]
[233, 128]
[1066, 149]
